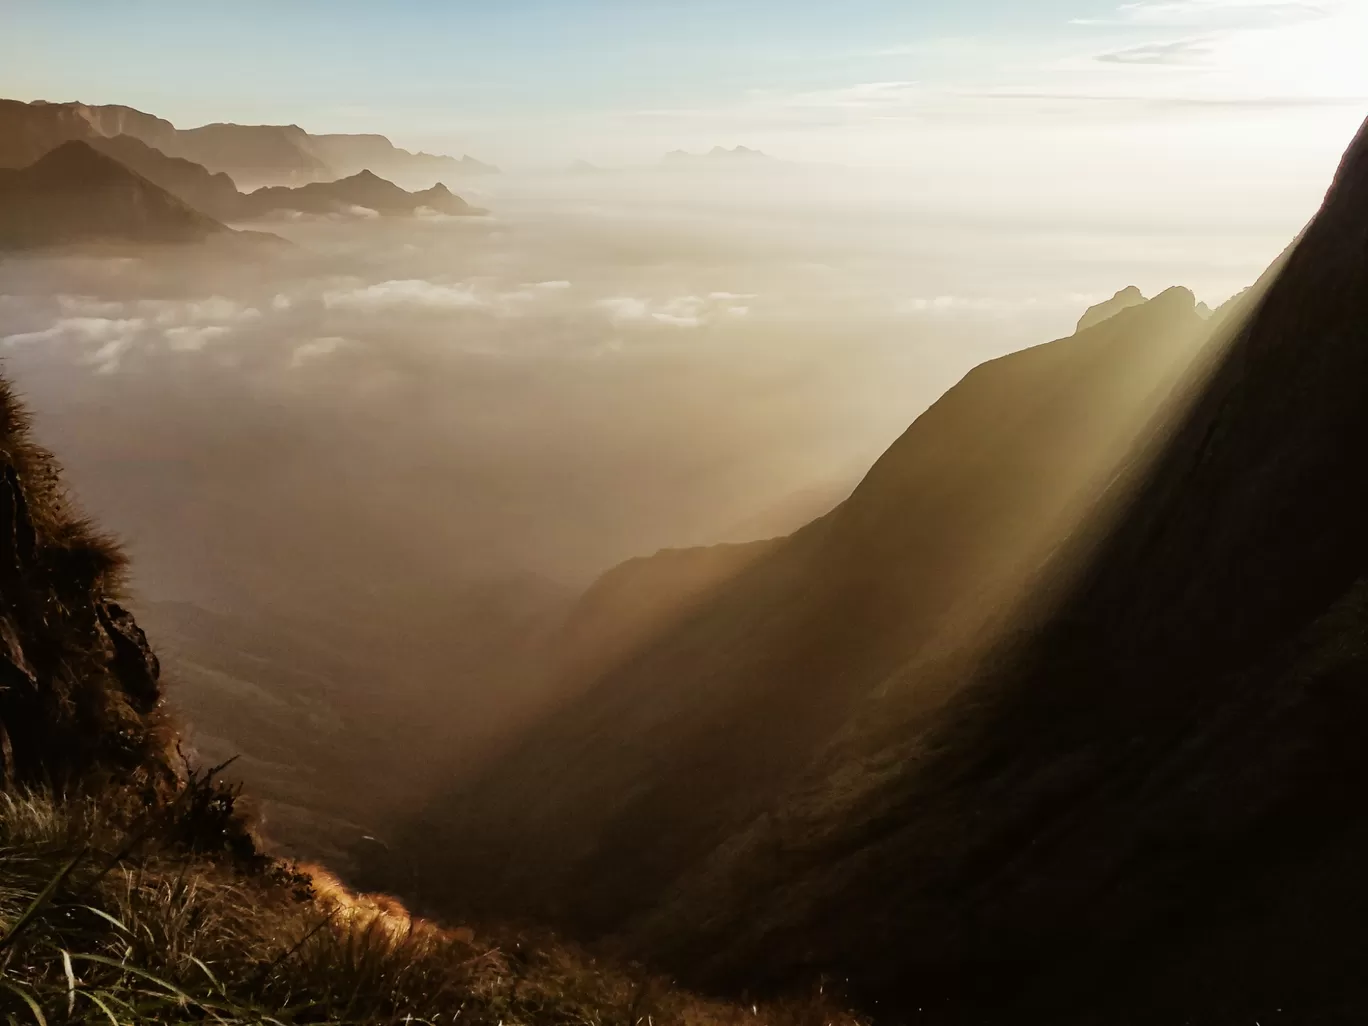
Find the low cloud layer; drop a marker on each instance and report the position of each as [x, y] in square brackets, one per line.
[426, 434]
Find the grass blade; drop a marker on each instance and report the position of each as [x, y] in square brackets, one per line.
[154, 979]
[71, 983]
[102, 1006]
[41, 899]
[27, 998]
[114, 922]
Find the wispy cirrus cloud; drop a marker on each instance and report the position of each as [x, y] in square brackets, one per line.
[1179, 51]
[1214, 14]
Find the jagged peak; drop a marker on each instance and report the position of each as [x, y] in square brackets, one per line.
[1176, 295]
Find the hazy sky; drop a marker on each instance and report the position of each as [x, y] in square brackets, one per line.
[862, 82]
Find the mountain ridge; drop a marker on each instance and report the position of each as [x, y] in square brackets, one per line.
[28, 130]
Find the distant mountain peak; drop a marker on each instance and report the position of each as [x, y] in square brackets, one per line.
[717, 154]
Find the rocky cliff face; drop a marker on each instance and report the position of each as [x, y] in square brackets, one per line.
[79, 684]
[1123, 300]
[29, 130]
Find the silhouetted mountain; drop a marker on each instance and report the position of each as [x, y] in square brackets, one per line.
[217, 196]
[584, 167]
[1123, 300]
[365, 190]
[719, 156]
[76, 194]
[348, 154]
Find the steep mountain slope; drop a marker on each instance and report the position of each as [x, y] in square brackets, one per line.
[76, 194]
[1143, 810]
[639, 599]
[706, 724]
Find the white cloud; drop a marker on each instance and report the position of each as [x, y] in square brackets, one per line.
[88, 330]
[411, 293]
[316, 348]
[192, 337]
[1213, 13]
[106, 358]
[678, 320]
[625, 308]
[678, 312]
[1179, 51]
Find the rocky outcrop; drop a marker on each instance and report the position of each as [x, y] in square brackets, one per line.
[79, 684]
[1123, 300]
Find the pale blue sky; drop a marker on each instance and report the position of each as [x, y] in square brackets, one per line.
[524, 80]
